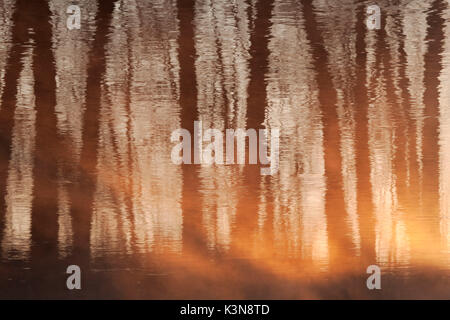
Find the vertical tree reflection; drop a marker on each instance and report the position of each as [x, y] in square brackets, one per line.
[222, 72]
[299, 218]
[433, 66]
[83, 191]
[444, 138]
[12, 36]
[19, 192]
[154, 114]
[45, 207]
[338, 23]
[327, 95]
[6, 10]
[71, 49]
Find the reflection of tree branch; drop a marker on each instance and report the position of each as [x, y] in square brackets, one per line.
[192, 236]
[20, 36]
[335, 206]
[433, 66]
[82, 194]
[44, 230]
[259, 50]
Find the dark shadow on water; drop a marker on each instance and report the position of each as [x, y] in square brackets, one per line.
[82, 194]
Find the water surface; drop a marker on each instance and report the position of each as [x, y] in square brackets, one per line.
[86, 175]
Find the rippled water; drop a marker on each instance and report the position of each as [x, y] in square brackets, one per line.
[86, 175]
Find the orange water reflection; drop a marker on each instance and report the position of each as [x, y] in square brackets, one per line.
[86, 172]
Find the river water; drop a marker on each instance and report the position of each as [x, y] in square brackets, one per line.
[87, 179]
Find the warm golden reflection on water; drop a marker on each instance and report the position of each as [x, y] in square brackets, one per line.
[86, 175]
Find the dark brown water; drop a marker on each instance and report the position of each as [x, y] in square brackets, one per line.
[86, 176]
